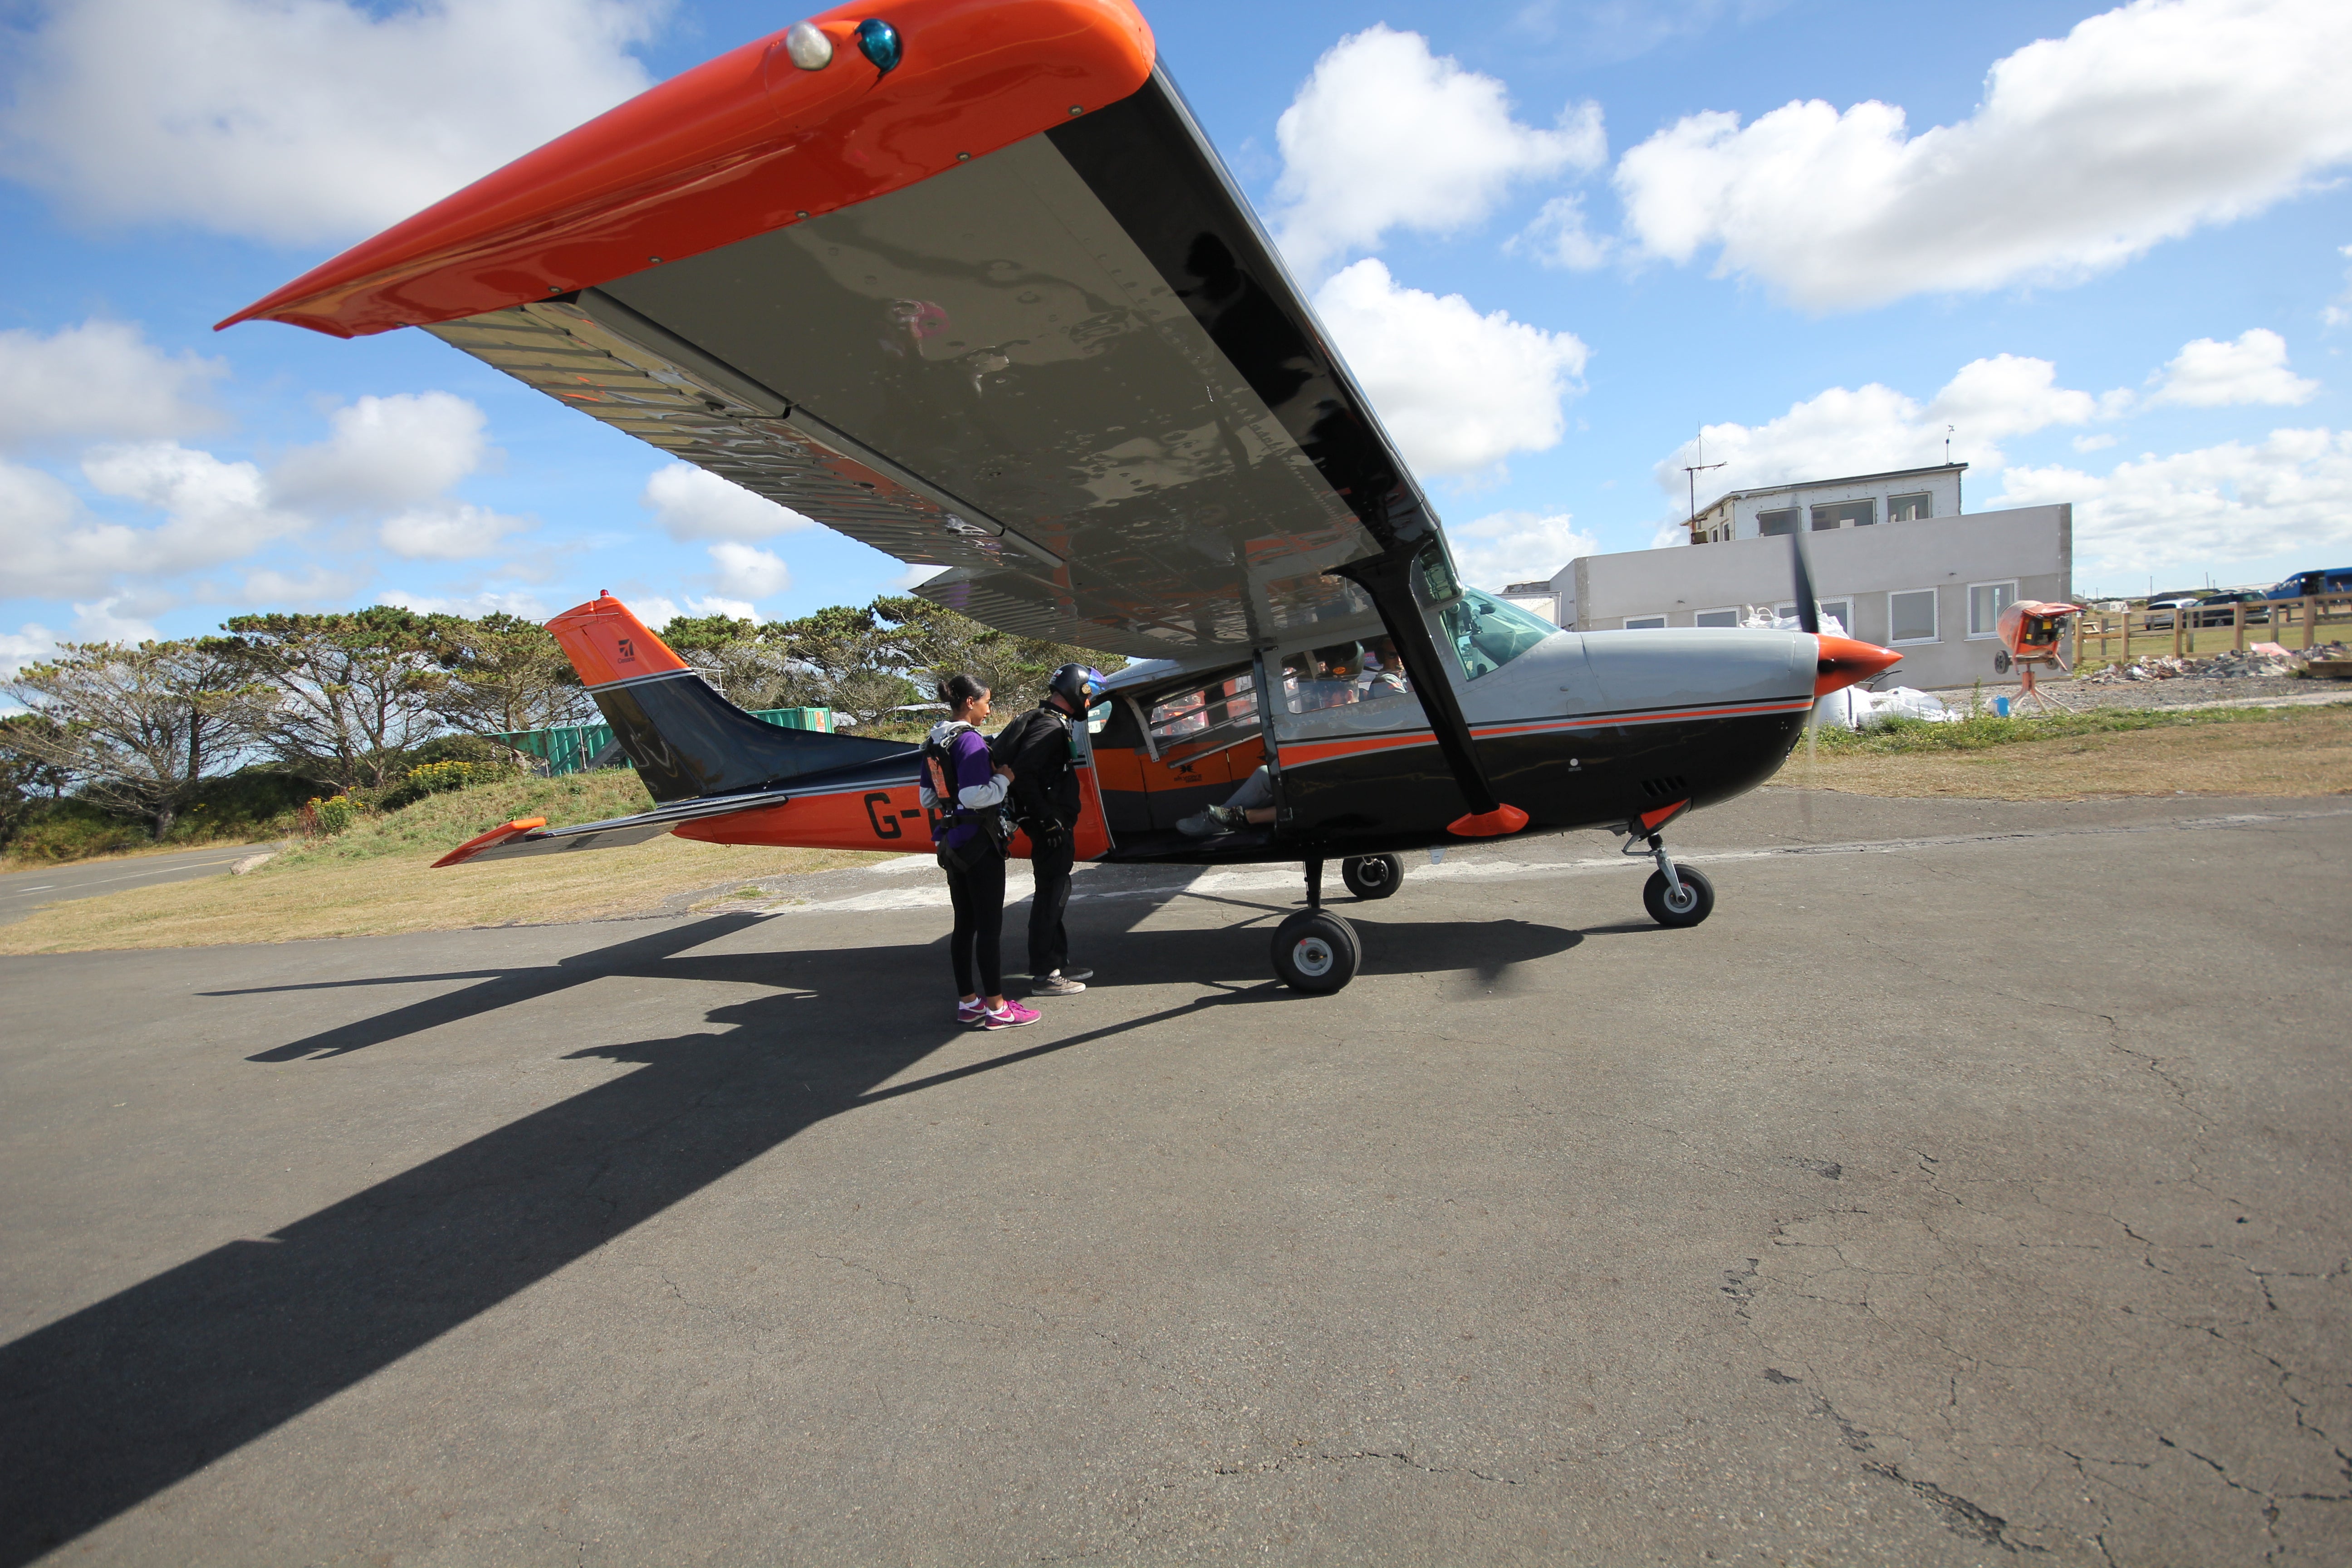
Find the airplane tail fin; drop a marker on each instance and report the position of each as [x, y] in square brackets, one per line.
[686, 740]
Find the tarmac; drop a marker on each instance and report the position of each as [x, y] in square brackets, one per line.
[1971, 1187]
[22, 892]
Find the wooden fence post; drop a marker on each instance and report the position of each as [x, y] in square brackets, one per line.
[2237, 624]
[2310, 619]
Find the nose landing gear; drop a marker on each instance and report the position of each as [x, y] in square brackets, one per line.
[1675, 895]
[1315, 950]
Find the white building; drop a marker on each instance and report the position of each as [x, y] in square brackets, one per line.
[1929, 586]
[1862, 500]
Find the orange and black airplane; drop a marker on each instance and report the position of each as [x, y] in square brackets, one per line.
[965, 281]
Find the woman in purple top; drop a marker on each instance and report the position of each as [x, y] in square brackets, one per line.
[961, 781]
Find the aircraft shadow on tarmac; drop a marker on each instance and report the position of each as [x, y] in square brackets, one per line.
[110, 1405]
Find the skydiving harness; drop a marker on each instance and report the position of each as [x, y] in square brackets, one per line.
[995, 832]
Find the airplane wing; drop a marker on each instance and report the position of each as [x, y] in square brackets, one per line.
[990, 304]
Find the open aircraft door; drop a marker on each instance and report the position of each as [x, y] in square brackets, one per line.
[1170, 750]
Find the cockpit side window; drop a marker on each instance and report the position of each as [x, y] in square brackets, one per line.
[1488, 633]
[1192, 711]
[1316, 679]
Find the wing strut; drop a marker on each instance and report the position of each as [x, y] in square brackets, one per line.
[1388, 579]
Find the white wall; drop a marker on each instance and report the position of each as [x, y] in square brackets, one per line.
[1944, 488]
[2033, 546]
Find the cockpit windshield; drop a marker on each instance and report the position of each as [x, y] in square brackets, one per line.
[1488, 633]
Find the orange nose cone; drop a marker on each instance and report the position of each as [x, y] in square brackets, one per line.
[1844, 661]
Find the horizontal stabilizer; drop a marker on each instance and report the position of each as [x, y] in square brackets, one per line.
[531, 836]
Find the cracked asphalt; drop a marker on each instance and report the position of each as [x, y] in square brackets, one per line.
[1970, 1188]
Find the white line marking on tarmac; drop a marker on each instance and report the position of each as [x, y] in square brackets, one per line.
[1268, 879]
[903, 863]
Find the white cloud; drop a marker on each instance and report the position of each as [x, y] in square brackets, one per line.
[522, 604]
[101, 622]
[29, 644]
[317, 588]
[654, 609]
[99, 379]
[385, 452]
[2208, 373]
[733, 609]
[214, 511]
[1559, 238]
[748, 571]
[914, 578]
[2338, 312]
[1459, 391]
[1508, 547]
[2141, 124]
[2290, 494]
[448, 531]
[1874, 428]
[2098, 443]
[303, 120]
[694, 503]
[1383, 134]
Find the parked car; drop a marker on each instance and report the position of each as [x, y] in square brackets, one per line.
[2160, 615]
[2215, 610]
[2303, 584]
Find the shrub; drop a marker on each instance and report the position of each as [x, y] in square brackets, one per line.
[434, 777]
[330, 816]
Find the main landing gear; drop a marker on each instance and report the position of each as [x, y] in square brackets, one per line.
[1675, 895]
[1317, 952]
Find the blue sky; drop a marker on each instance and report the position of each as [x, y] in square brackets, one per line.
[1557, 238]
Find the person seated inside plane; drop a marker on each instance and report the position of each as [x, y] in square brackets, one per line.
[1381, 673]
[1252, 805]
[1315, 680]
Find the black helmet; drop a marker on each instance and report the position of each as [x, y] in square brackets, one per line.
[1076, 685]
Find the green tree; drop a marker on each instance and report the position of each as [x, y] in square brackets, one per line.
[355, 692]
[137, 728]
[506, 675]
[749, 664]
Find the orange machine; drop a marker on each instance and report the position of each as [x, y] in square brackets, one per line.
[2030, 632]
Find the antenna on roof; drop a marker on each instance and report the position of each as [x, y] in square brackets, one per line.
[1947, 445]
[1694, 470]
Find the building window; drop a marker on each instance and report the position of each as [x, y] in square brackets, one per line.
[1773, 524]
[1985, 602]
[1911, 617]
[1845, 515]
[1645, 623]
[1910, 509]
[1716, 618]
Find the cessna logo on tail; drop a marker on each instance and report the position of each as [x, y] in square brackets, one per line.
[628, 651]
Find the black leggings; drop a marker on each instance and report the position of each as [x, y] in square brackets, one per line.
[979, 895]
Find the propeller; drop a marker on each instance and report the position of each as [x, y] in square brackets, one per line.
[1809, 614]
[1809, 617]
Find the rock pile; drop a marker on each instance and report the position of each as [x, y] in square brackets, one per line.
[2263, 659]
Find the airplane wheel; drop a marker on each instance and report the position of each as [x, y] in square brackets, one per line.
[1372, 876]
[1316, 951]
[1697, 901]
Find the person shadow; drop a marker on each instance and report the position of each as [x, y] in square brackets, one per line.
[112, 1404]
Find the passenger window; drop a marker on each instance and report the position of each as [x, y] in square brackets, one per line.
[1195, 710]
[1488, 633]
[1342, 673]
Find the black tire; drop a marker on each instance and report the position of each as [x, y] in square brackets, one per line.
[1316, 951]
[2000, 661]
[1372, 876]
[1700, 890]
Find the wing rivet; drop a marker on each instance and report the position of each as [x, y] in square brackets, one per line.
[809, 48]
[800, 214]
[1075, 109]
[964, 157]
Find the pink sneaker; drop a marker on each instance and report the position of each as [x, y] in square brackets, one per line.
[971, 1012]
[1012, 1016]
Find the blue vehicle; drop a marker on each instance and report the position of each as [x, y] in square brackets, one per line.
[2305, 584]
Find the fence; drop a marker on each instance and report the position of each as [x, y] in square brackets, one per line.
[576, 748]
[2110, 637]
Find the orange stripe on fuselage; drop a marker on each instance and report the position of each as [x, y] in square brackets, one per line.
[1306, 752]
[889, 819]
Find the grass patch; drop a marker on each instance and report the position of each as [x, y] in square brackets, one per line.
[1983, 731]
[2280, 752]
[377, 879]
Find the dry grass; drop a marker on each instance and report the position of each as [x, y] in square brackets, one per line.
[2285, 752]
[378, 879]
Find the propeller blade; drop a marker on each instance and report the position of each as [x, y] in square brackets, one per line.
[1809, 614]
